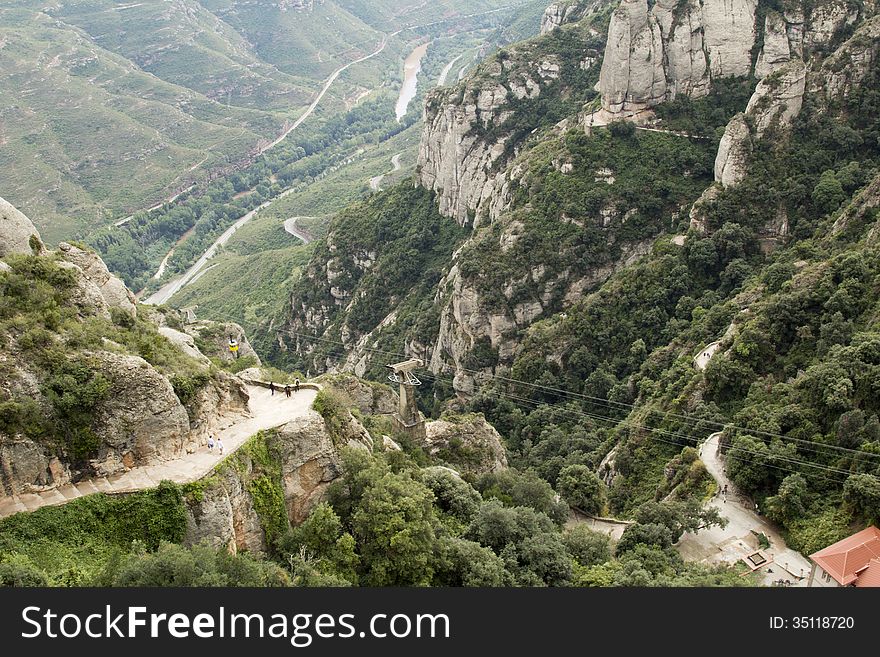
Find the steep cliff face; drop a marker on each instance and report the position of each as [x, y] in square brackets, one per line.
[277, 478]
[776, 101]
[471, 131]
[672, 47]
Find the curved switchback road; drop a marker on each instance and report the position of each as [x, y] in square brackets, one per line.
[267, 412]
[164, 294]
[376, 181]
[290, 227]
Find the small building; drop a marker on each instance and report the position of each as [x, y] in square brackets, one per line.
[854, 561]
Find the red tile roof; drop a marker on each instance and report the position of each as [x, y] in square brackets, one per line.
[853, 558]
[871, 575]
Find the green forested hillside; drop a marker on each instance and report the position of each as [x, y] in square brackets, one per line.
[797, 369]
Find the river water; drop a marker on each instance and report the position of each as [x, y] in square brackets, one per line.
[412, 65]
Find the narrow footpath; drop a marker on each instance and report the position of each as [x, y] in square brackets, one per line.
[267, 412]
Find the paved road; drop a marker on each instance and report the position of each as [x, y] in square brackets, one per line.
[445, 72]
[729, 545]
[164, 293]
[329, 82]
[290, 227]
[267, 412]
[376, 181]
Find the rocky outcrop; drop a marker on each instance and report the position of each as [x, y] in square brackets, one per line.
[731, 162]
[455, 159]
[568, 11]
[16, 231]
[185, 342]
[827, 19]
[672, 47]
[138, 420]
[213, 340]
[368, 397]
[112, 289]
[215, 406]
[776, 101]
[846, 69]
[468, 321]
[304, 461]
[466, 139]
[467, 442]
[776, 49]
[141, 421]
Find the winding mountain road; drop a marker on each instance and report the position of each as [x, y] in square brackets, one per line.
[291, 228]
[376, 181]
[267, 412]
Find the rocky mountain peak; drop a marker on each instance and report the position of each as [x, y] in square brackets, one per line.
[16, 231]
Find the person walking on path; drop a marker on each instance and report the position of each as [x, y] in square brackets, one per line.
[296, 385]
[211, 443]
[220, 446]
[287, 391]
[272, 388]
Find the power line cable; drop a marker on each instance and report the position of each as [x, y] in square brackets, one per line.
[574, 396]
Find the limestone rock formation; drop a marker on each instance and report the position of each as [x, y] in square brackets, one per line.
[215, 406]
[776, 101]
[87, 295]
[847, 67]
[224, 515]
[567, 11]
[308, 459]
[776, 49]
[827, 19]
[183, 341]
[141, 421]
[213, 337]
[454, 160]
[16, 230]
[115, 294]
[368, 397]
[733, 152]
[465, 136]
[672, 47]
[138, 421]
[467, 442]
[467, 320]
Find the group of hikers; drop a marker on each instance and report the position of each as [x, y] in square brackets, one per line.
[286, 390]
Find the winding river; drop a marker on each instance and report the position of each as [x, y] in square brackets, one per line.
[412, 65]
